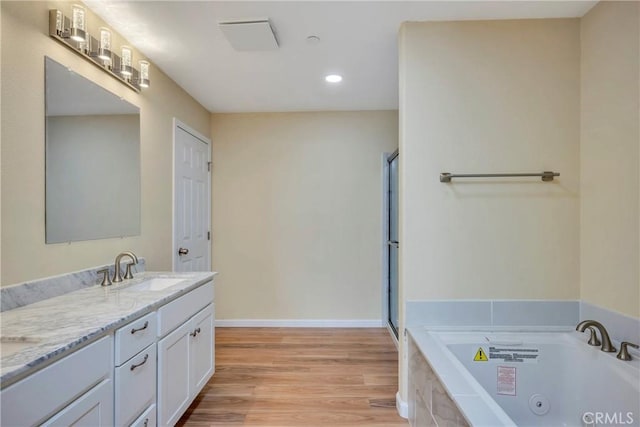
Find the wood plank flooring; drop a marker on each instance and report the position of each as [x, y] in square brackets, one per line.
[300, 377]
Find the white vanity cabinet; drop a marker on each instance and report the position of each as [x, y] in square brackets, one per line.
[143, 374]
[185, 352]
[76, 390]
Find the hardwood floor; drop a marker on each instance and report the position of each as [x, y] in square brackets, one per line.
[303, 377]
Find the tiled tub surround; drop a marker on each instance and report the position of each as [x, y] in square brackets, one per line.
[439, 390]
[429, 404]
[56, 326]
[492, 313]
[26, 293]
[566, 379]
[431, 371]
[497, 314]
[619, 326]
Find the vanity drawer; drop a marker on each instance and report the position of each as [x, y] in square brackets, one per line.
[178, 311]
[147, 419]
[135, 386]
[42, 394]
[134, 337]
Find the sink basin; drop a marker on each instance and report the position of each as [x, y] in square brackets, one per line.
[157, 284]
[12, 345]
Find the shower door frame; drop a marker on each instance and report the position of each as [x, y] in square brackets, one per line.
[386, 219]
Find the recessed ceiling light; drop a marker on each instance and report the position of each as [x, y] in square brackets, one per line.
[333, 78]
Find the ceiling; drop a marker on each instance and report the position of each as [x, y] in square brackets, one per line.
[358, 39]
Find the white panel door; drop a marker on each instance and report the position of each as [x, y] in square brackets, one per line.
[192, 201]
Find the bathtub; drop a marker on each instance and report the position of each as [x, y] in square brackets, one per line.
[532, 378]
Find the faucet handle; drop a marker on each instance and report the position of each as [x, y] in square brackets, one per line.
[106, 281]
[624, 353]
[593, 338]
[128, 274]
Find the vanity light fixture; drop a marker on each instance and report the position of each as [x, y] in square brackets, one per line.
[333, 78]
[104, 49]
[126, 69]
[59, 22]
[143, 80]
[72, 32]
[78, 24]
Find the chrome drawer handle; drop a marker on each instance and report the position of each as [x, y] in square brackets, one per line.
[134, 330]
[134, 366]
[194, 333]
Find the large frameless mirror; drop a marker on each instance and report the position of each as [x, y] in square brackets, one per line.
[92, 160]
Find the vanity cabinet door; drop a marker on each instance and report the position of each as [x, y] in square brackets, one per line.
[202, 349]
[93, 409]
[41, 395]
[174, 394]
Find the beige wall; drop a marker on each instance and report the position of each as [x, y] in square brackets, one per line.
[297, 218]
[493, 96]
[25, 42]
[482, 97]
[609, 150]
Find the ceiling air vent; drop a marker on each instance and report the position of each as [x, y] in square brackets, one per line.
[250, 35]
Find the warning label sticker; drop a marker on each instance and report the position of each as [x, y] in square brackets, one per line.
[506, 380]
[480, 356]
[517, 355]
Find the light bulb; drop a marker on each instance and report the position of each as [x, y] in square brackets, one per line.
[59, 19]
[104, 51]
[333, 78]
[78, 23]
[144, 73]
[126, 61]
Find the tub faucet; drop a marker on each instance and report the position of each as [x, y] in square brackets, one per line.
[606, 342]
[117, 274]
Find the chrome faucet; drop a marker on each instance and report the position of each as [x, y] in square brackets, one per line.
[117, 274]
[606, 342]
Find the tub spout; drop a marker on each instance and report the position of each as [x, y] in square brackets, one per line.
[606, 342]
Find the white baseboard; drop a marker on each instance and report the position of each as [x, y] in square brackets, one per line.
[402, 407]
[299, 323]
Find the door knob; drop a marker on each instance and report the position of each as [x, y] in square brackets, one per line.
[183, 251]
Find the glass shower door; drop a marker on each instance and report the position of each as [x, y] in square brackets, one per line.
[393, 243]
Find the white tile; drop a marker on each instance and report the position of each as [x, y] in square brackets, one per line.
[448, 313]
[535, 313]
[619, 326]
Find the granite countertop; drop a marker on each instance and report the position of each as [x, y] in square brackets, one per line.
[53, 328]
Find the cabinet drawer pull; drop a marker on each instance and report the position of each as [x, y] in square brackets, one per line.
[134, 330]
[134, 366]
[194, 333]
[146, 422]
